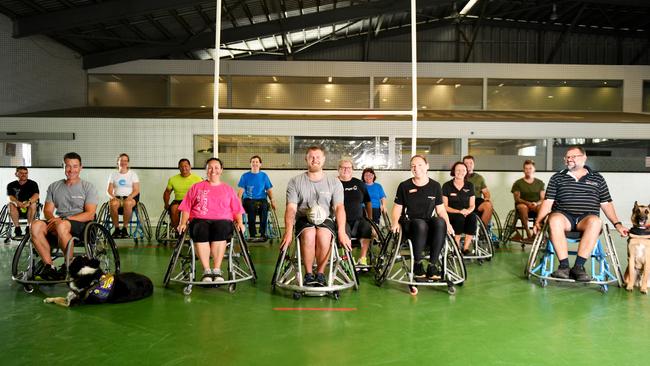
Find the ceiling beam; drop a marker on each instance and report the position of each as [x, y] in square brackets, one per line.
[92, 14]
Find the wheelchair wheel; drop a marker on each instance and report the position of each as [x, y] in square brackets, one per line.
[104, 216]
[509, 227]
[5, 222]
[164, 230]
[145, 223]
[497, 226]
[484, 246]
[22, 265]
[386, 257]
[100, 245]
[245, 253]
[174, 259]
[456, 272]
[274, 230]
[282, 265]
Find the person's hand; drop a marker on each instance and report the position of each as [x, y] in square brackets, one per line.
[622, 230]
[181, 228]
[286, 240]
[166, 205]
[395, 227]
[344, 239]
[241, 227]
[450, 230]
[273, 204]
[537, 227]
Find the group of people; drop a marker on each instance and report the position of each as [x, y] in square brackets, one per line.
[321, 208]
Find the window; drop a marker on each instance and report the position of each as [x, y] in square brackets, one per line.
[507, 154]
[610, 155]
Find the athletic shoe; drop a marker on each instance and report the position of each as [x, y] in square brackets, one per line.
[418, 270]
[18, 231]
[125, 233]
[579, 274]
[49, 273]
[320, 279]
[310, 280]
[433, 273]
[117, 233]
[561, 273]
[216, 275]
[207, 276]
[363, 261]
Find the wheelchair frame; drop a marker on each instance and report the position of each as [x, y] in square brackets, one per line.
[6, 224]
[139, 225]
[395, 266]
[97, 243]
[541, 261]
[288, 273]
[481, 247]
[182, 265]
[273, 229]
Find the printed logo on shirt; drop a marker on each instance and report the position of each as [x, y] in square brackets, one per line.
[453, 194]
[325, 193]
[413, 190]
[591, 183]
[78, 197]
[465, 190]
[431, 197]
[353, 188]
[121, 182]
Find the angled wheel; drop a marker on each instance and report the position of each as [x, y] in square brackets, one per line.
[145, 223]
[104, 216]
[173, 260]
[509, 227]
[101, 245]
[163, 229]
[5, 222]
[386, 257]
[275, 232]
[22, 265]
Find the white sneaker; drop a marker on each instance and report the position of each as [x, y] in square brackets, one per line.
[216, 275]
[207, 276]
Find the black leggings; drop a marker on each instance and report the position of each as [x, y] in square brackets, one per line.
[426, 233]
[463, 224]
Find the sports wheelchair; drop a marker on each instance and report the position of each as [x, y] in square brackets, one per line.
[182, 265]
[512, 230]
[395, 263]
[340, 271]
[376, 243]
[273, 230]
[139, 226]
[165, 233]
[605, 268]
[481, 248]
[7, 225]
[96, 242]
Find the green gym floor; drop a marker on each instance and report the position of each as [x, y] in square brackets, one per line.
[496, 318]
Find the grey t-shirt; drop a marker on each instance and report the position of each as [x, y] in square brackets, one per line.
[328, 192]
[70, 200]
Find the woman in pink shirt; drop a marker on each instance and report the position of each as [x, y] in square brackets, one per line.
[211, 206]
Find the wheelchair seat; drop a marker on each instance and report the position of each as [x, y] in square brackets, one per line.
[139, 226]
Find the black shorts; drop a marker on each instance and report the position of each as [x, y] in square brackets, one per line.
[202, 230]
[477, 202]
[302, 224]
[358, 229]
[575, 219]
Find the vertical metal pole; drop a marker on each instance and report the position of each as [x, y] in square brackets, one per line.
[215, 106]
[414, 81]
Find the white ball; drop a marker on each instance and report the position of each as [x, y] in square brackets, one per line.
[317, 215]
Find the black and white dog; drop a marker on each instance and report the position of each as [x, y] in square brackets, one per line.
[89, 285]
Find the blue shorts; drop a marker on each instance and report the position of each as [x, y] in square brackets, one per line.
[574, 219]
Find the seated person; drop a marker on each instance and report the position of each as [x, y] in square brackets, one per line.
[254, 188]
[458, 197]
[309, 195]
[179, 184]
[376, 192]
[75, 201]
[211, 206]
[23, 199]
[529, 194]
[483, 205]
[415, 200]
[355, 199]
[574, 198]
[123, 190]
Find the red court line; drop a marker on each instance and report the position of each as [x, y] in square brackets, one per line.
[315, 309]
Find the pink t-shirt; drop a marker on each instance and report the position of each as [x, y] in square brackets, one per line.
[205, 201]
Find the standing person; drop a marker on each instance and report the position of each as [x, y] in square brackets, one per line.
[211, 207]
[376, 192]
[529, 194]
[574, 198]
[483, 205]
[459, 200]
[254, 188]
[123, 191]
[313, 200]
[179, 184]
[75, 202]
[415, 201]
[23, 199]
[355, 200]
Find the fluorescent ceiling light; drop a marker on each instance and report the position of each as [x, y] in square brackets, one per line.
[468, 7]
[385, 80]
[329, 79]
[440, 80]
[275, 79]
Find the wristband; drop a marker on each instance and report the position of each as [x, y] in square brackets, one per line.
[617, 223]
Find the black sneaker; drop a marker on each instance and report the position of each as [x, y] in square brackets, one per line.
[310, 280]
[320, 279]
[433, 273]
[579, 274]
[117, 233]
[18, 231]
[418, 270]
[49, 273]
[125, 233]
[562, 273]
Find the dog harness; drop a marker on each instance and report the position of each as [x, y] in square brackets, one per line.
[102, 291]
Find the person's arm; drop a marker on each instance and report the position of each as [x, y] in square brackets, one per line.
[544, 210]
[369, 210]
[472, 205]
[269, 193]
[442, 213]
[110, 190]
[339, 212]
[445, 202]
[610, 212]
[289, 222]
[34, 198]
[486, 194]
[383, 204]
[88, 213]
[239, 221]
[48, 210]
[182, 224]
[240, 193]
[166, 195]
[395, 215]
[14, 200]
[542, 196]
[136, 190]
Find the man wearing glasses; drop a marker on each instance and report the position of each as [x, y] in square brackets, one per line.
[574, 198]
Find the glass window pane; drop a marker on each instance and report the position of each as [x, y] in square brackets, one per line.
[507, 154]
[236, 150]
[196, 91]
[364, 151]
[609, 155]
[433, 93]
[128, 90]
[555, 95]
[646, 96]
[440, 153]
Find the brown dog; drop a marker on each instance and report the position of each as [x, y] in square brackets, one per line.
[638, 250]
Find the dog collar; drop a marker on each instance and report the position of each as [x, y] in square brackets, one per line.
[639, 231]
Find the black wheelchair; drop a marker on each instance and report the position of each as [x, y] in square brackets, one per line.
[7, 225]
[96, 242]
[165, 233]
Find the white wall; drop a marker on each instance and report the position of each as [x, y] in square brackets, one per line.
[38, 74]
[625, 188]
